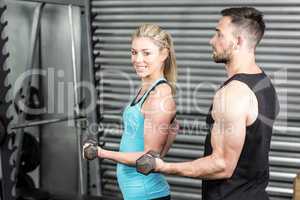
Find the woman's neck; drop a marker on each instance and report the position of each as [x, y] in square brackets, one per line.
[149, 80]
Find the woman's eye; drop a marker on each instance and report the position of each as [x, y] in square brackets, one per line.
[146, 53]
[133, 52]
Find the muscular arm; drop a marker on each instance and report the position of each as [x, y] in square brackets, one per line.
[230, 110]
[172, 132]
[158, 110]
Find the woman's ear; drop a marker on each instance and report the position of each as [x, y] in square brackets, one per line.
[164, 54]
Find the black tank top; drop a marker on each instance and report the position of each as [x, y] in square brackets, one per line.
[251, 176]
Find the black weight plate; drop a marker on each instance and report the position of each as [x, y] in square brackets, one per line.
[3, 132]
[31, 154]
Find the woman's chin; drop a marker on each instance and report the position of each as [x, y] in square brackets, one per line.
[141, 75]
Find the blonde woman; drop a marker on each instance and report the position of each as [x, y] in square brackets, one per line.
[148, 117]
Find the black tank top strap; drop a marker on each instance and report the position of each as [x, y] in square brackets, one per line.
[229, 80]
[252, 80]
[152, 89]
[134, 101]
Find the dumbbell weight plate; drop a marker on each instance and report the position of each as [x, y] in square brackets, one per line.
[3, 132]
[90, 152]
[31, 153]
[146, 163]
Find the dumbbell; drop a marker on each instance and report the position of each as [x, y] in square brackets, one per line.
[146, 163]
[90, 152]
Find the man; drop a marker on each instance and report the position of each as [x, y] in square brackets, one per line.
[235, 165]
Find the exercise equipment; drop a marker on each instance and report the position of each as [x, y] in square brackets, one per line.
[27, 190]
[146, 163]
[6, 150]
[25, 181]
[90, 152]
[31, 153]
[34, 103]
[3, 132]
[29, 95]
[46, 121]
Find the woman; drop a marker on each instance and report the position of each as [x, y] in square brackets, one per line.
[148, 117]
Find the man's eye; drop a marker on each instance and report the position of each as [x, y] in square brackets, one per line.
[146, 53]
[133, 52]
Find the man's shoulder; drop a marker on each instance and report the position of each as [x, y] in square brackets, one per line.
[233, 100]
[234, 89]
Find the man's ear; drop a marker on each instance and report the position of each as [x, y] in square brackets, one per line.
[239, 42]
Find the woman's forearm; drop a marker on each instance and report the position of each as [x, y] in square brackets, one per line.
[127, 158]
[169, 142]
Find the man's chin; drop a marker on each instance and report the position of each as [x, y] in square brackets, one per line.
[219, 60]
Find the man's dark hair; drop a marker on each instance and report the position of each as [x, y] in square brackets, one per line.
[249, 19]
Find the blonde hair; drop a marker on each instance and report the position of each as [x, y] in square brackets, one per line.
[163, 40]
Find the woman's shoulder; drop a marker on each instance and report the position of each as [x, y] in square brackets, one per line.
[162, 90]
[161, 98]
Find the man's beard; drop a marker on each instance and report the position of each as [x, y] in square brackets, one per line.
[223, 57]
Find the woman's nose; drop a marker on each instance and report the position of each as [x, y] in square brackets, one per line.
[211, 41]
[139, 57]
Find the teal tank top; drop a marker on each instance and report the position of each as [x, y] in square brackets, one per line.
[136, 186]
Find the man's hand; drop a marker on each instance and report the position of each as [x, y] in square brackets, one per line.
[159, 165]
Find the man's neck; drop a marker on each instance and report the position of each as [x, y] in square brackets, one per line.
[242, 64]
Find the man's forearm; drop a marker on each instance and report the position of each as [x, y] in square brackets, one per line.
[205, 168]
[180, 169]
